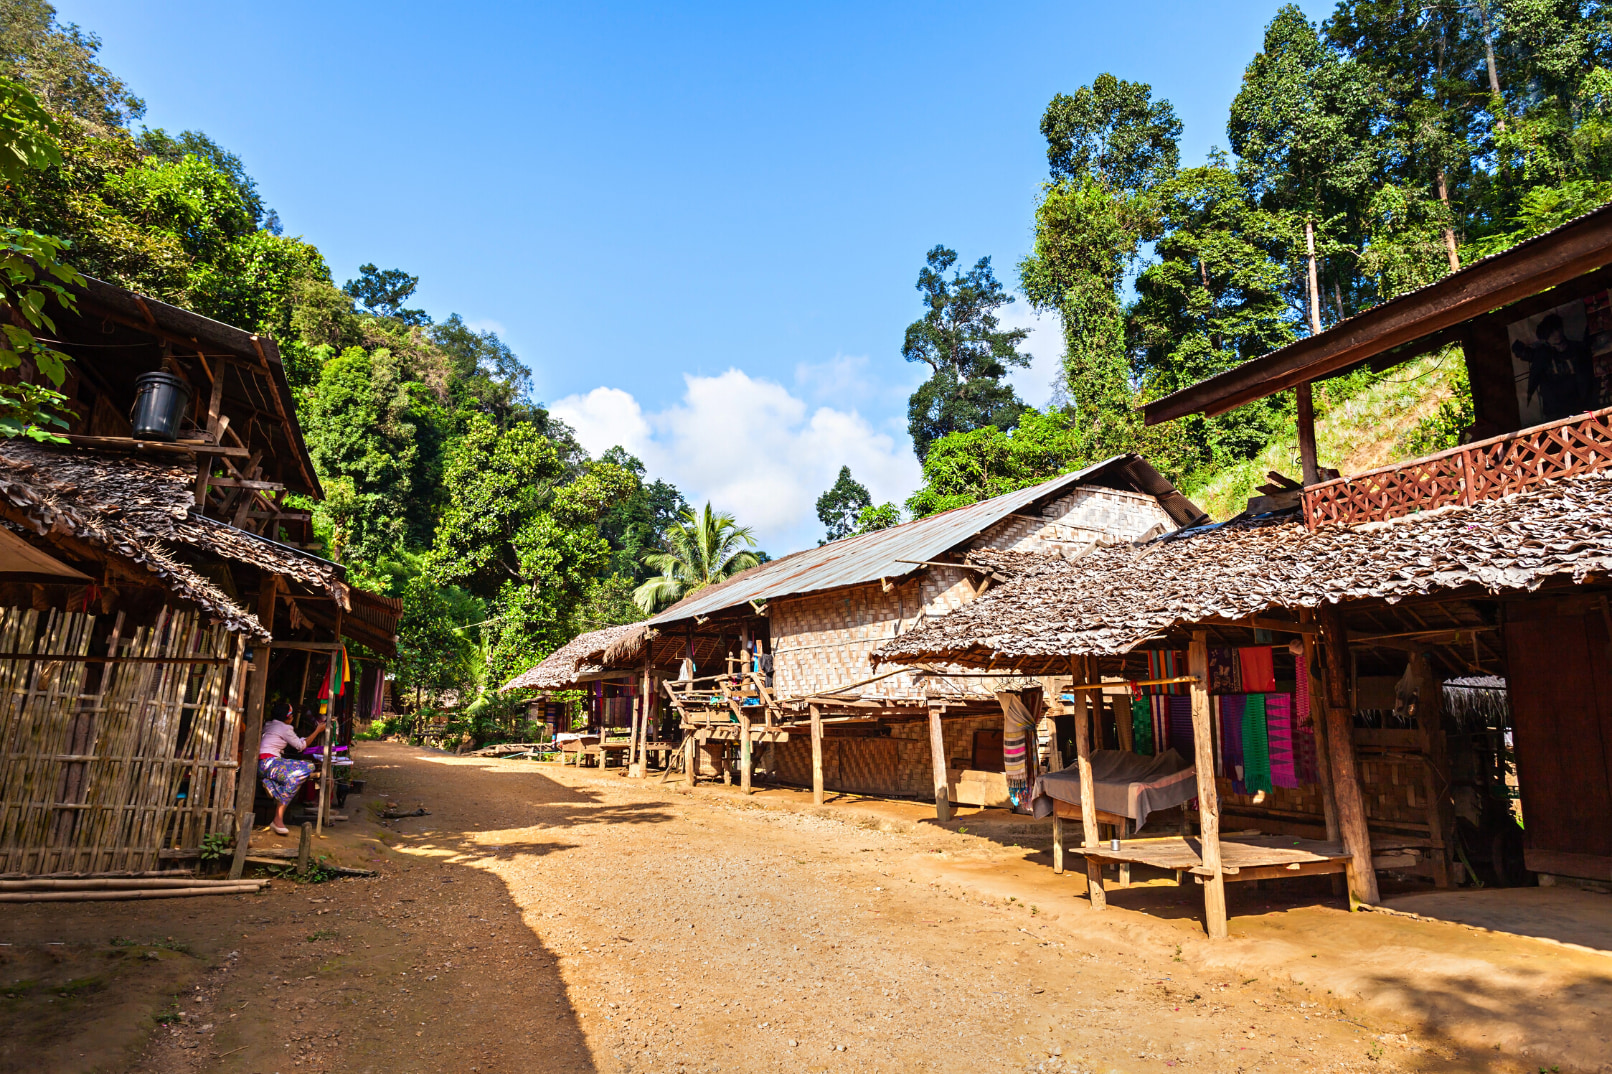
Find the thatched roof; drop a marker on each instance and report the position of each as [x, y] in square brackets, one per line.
[140, 511]
[1113, 599]
[581, 656]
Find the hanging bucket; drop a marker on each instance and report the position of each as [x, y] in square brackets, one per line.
[160, 402]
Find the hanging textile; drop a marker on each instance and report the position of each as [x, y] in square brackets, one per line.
[1166, 664]
[1279, 730]
[1304, 746]
[1231, 739]
[1225, 673]
[1181, 732]
[1259, 674]
[1142, 725]
[1256, 747]
[1161, 728]
[1021, 711]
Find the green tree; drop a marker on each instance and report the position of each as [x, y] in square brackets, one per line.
[841, 506]
[877, 517]
[701, 550]
[383, 292]
[1212, 298]
[1300, 127]
[976, 465]
[635, 526]
[968, 354]
[1108, 145]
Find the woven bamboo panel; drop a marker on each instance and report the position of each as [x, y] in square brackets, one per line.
[898, 766]
[100, 769]
[1078, 518]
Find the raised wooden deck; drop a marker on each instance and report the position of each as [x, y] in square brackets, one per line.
[1483, 470]
[1243, 857]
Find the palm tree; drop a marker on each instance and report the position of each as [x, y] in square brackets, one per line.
[702, 549]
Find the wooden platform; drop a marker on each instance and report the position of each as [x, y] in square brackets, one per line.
[1245, 857]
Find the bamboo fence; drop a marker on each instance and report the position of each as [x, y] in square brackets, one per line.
[106, 761]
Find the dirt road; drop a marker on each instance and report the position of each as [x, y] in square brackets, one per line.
[544, 919]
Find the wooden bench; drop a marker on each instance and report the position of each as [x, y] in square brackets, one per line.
[1242, 857]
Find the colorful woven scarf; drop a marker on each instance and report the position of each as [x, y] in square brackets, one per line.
[1279, 729]
[1142, 725]
[1231, 739]
[1259, 673]
[1304, 745]
[1166, 664]
[1181, 733]
[1225, 672]
[1256, 746]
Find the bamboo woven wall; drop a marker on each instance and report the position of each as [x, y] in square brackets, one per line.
[103, 764]
[896, 766]
[823, 640]
[1076, 519]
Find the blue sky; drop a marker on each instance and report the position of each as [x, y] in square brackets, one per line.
[699, 225]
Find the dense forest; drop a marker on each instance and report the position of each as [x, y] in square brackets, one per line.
[1364, 156]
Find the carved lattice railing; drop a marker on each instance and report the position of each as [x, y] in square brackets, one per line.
[1483, 470]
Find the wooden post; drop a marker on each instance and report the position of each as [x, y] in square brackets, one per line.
[1435, 764]
[332, 684]
[691, 757]
[1306, 422]
[937, 757]
[1341, 750]
[1057, 843]
[243, 840]
[304, 848]
[1214, 885]
[1323, 758]
[744, 750]
[1080, 671]
[257, 691]
[817, 756]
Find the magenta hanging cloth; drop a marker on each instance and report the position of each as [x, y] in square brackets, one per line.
[1181, 732]
[1304, 747]
[1259, 673]
[1279, 733]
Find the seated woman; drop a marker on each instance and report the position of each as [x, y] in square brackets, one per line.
[283, 778]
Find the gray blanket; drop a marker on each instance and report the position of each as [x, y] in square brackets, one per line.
[1126, 784]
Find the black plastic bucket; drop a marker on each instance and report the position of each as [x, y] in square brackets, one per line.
[160, 402]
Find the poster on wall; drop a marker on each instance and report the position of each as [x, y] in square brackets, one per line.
[1562, 359]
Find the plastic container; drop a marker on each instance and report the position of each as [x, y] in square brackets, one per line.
[160, 403]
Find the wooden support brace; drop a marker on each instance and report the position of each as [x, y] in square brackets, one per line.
[937, 753]
[1341, 751]
[1082, 673]
[1214, 885]
[817, 755]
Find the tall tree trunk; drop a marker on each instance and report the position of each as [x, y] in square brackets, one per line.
[1488, 54]
[1315, 284]
[1337, 298]
[1449, 232]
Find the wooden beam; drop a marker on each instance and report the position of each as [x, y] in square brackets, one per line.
[1526, 269]
[1081, 672]
[165, 447]
[1306, 423]
[1203, 750]
[1341, 750]
[817, 755]
[937, 757]
[257, 692]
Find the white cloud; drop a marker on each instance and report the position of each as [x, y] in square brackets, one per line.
[1045, 347]
[750, 446]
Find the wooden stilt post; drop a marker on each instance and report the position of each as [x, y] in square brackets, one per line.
[1308, 462]
[1341, 750]
[744, 750]
[243, 840]
[333, 684]
[1214, 885]
[1081, 670]
[1435, 764]
[937, 755]
[1057, 843]
[257, 691]
[691, 757]
[817, 755]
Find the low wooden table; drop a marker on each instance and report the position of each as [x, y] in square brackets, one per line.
[1242, 857]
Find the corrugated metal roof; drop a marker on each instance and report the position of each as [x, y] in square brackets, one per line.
[893, 553]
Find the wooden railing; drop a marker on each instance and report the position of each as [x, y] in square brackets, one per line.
[1468, 474]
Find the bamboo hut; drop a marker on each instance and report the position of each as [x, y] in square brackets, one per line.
[151, 587]
[1377, 600]
[770, 671]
